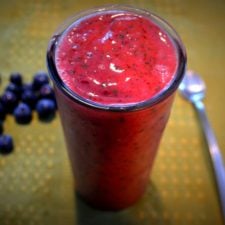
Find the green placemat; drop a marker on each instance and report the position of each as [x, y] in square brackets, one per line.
[36, 185]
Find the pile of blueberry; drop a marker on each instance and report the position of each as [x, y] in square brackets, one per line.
[20, 99]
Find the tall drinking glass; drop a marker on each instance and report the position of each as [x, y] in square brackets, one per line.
[112, 147]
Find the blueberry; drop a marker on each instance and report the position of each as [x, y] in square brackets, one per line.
[6, 144]
[40, 78]
[2, 111]
[16, 78]
[9, 101]
[29, 97]
[22, 113]
[14, 88]
[45, 109]
[46, 91]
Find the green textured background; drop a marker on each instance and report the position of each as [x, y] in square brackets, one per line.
[36, 185]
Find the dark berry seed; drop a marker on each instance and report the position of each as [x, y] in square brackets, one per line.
[106, 93]
[29, 97]
[84, 82]
[9, 101]
[16, 78]
[40, 78]
[6, 144]
[46, 91]
[2, 111]
[45, 108]
[121, 119]
[22, 114]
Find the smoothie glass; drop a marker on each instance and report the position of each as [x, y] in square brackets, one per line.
[112, 147]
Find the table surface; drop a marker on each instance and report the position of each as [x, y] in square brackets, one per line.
[36, 185]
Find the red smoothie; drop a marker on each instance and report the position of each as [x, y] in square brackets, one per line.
[115, 73]
[116, 58]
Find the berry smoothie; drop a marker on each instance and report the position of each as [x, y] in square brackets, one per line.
[115, 73]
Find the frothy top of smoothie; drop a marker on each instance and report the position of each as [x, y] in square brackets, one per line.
[116, 57]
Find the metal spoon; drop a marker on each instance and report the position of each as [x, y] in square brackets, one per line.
[193, 89]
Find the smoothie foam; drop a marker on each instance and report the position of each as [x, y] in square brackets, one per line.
[116, 58]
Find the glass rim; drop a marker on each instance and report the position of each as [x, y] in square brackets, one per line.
[166, 92]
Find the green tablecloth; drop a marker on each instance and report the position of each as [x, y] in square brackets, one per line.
[36, 185]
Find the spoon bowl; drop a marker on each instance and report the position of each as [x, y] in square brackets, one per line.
[192, 87]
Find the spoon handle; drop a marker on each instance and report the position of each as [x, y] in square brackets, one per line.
[214, 151]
